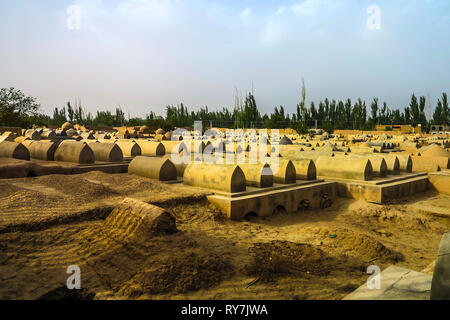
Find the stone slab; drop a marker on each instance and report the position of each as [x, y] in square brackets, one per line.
[441, 277]
[396, 284]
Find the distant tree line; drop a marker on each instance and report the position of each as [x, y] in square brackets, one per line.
[16, 109]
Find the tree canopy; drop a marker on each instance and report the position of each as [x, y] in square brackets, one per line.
[16, 109]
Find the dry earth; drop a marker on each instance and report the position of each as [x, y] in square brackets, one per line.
[51, 222]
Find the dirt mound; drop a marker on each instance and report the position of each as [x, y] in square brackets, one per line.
[39, 202]
[191, 270]
[399, 216]
[76, 186]
[198, 211]
[138, 251]
[138, 221]
[13, 197]
[124, 184]
[7, 189]
[277, 258]
[357, 244]
[151, 190]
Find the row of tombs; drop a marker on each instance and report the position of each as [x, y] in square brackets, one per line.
[291, 185]
[300, 180]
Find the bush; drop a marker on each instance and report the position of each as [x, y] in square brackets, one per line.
[301, 128]
[327, 127]
[16, 108]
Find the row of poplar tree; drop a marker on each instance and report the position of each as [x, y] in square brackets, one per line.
[16, 109]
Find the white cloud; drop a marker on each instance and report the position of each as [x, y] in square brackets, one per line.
[245, 14]
[157, 9]
[272, 33]
[274, 28]
[280, 11]
[306, 7]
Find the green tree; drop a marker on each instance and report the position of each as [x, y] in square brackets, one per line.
[348, 113]
[422, 117]
[250, 114]
[397, 117]
[321, 112]
[384, 114]
[70, 111]
[414, 110]
[441, 113]
[374, 112]
[59, 116]
[407, 115]
[16, 109]
[313, 111]
[301, 107]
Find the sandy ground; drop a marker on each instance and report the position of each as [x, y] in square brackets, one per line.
[49, 223]
[33, 203]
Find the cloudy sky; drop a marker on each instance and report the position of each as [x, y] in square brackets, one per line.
[145, 54]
